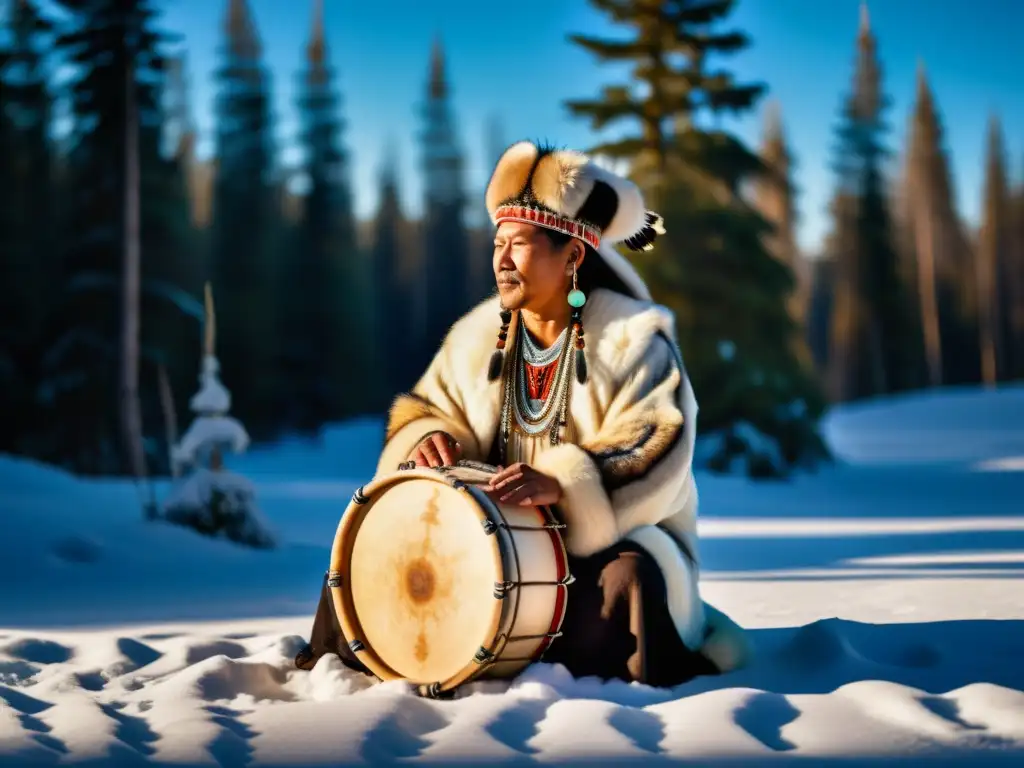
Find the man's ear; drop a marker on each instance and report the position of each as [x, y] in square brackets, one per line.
[576, 253]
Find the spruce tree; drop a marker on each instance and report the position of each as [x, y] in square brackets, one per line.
[247, 227]
[15, 383]
[775, 199]
[873, 335]
[819, 309]
[712, 268]
[676, 92]
[173, 265]
[995, 243]
[481, 238]
[394, 294]
[445, 241]
[938, 260]
[1015, 272]
[117, 49]
[324, 303]
[29, 266]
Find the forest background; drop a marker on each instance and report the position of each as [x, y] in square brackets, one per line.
[336, 274]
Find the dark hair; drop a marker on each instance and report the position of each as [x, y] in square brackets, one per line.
[595, 272]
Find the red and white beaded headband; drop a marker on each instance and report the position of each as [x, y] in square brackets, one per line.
[589, 234]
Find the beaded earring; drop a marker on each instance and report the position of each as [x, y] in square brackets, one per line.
[498, 356]
[576, 300]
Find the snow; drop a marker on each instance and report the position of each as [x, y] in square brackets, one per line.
[197, 493]
[212, 397]
[206, 431]
[212, 427]
[884, 597]
[210, 499]
[943, 427]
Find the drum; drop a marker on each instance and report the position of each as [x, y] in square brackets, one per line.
[434, 583]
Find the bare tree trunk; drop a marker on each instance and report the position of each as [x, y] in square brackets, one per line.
[928, 289]
[170, 417]
[876, 357]
[131, 405]
[987, 318]
[1015, 283]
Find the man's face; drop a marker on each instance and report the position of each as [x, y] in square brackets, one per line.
[531, 273]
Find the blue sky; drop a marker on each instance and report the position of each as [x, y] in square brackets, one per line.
[512, 62]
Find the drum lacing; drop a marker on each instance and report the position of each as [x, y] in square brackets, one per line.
[485, 657]
[502, 588]
[433, 691]
[466, 464]
[444, 470]
[491, 527]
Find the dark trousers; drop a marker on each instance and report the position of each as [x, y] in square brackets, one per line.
[617, 624]
[327, 637]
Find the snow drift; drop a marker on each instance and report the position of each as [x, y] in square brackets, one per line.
[883, 595]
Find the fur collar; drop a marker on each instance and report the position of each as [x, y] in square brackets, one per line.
[618, 329]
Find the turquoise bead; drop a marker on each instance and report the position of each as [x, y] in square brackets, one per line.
[577, 298]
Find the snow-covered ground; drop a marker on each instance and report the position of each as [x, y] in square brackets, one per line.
[885, 597]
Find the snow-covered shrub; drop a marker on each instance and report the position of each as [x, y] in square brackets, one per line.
[219, 504]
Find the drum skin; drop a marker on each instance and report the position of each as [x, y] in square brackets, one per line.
[435, 584]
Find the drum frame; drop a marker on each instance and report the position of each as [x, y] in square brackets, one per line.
[506, 591]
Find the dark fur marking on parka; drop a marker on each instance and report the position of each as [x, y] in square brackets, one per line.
[624, 465]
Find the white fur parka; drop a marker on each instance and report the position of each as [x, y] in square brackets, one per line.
[629, 471]
[634, 419]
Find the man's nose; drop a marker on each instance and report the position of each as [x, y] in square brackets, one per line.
[505, 258]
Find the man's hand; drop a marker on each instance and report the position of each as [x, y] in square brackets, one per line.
[437, 450]
[522, 484]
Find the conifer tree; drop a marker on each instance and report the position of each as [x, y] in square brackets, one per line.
[481, 234]
[938, 260]
[117, 51]
[211, 500]
[669, 143]
[395, 295]
[444, 237]
[247, 227]
[14, 381]
[172, 267]
[1016, 285]
[774, 196]
[873, 340]
[182, 136]
[8, 222]
[712, 267]
[993, 264]
[819, 309]
[324, 303]
[28, 244]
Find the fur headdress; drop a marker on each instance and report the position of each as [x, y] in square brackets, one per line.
[565, 191]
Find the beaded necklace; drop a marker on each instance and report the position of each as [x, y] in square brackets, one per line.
[519, 411]
[535, 361]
